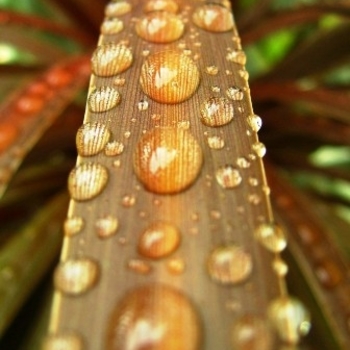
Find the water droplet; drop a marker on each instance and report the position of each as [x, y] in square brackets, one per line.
[127, 134]
[114, 9]
[106, 226]
[114, 148]
[237, 56]
[183, 124]
[91, 138]
[290, 318]
[271, 236]
[103, 99]
[254, 199]
[215, 142]
[76, 276]
[160, 27]
[169, 77]
[280, 267]
[253, 181]
[128, 201]
[154, 317]
[215, 88]
[216, 111]
[212, 70]
[234, 93]
[68, 341]
[213, 18]
[244, 74]
[251, 333]
[159, 240]
[161, 5]
[142, 105]
[228, 177]
[119, 81]
[73, 225]
[140, 266]
[243, 163]
[112, 26]
[87, 180]
[229, 264]
[111, 59]
[215, 214]
[167, 160]
[176, 266]
[255, 122]
[259, 148]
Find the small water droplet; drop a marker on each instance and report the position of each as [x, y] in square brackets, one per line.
[91, 138]
[119, 81]
[253, 181]
[280, 267]
[68, 341]
[271, 236]
[251, 333]
[112, 26]
[216, 111]
[244, 74]
[215, 214]
[254, 199]
[127, 134]
[216, 142]
[114, 148]
[237, 56]
[76, 276]
[154, 317]
[167, 160]
[176, 266]
[215, 88]
[213, 18]
[212, 70]
[142, 105]
[87, 180]
[243, 163]
[255, 122]
[111, 59]
[114, 9]
[128, 201]
[159, 240]
[229, 264]
[73, 225]
[234, 93]
[160, 27]
[259, 148]
[103, 99]
[290, 318]
[106, 226]
[140, 266]
[228, 177]
[161, 5]
[169, 77]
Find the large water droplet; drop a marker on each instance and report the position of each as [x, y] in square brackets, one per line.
[76, 276]
[154, 317]
[119, 8]
[161, 5]
[91, 138]
[251, 333]
[87, 180]
[169, 77]
[229, 264]
[112, 26]
[216, 111]
[290, 318]
[106, 226]
[159, 240]
[73, 225]
[234, 93]
[271, 236]
[160, 27]
[228, 177]
[111, 59]
[167, 160]
[63, 341]
[103, 99]
[213, 18]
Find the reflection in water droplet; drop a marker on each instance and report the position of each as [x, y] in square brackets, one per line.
[160, 27]
[114, 148]
[229, 264]
[159, 240]
[228, 177]
[103, 99]
[169, 77]
[120, 8]
[167, 160]
[271, 236]
[73, 225]
[251, 333]
[91, 138]
[259, 148]
[154, 317]
[212, 70]
[76, 276]
[63, 341]
[140, 266]
[237, 56]
[234, 93]
[216, 111]
[255, 122]
[290, 318]
[112, 26]
[280, 267]
[215, 142]
[111, 59]
[161, 5]
[106, 226]
[87, 180]
[176, 266]
[213, 18]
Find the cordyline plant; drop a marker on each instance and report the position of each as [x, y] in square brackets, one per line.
[178, 231]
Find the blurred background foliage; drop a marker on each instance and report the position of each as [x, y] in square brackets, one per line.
[298, 60]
